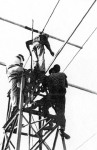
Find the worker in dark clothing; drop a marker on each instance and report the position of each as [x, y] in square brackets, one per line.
[38, 47]
[57, 83]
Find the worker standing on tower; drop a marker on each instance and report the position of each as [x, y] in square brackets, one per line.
[14, 70]
[38, 47]
[57, 83]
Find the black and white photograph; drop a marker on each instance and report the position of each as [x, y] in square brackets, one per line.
[48, 74]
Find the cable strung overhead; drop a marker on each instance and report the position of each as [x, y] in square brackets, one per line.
[50, 15]
[79, 49]
[59, 51]
[85, 142]
[67, 42]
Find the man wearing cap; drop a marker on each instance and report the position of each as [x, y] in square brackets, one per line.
[14, 69]
[56, 83]
[38, 47]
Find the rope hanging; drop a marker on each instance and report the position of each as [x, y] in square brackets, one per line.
[79, 50]
[71, 35]
[50, 15]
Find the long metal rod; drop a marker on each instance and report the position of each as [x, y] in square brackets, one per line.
[40, 125]
[2, 63]
[35, 122]
[63, 142]
[55, 140]
[60, 50]
[32, 43]
[9, 121]
[29, 132]
[3, 143]
[81, 88]
[34, 30]
[20, 114]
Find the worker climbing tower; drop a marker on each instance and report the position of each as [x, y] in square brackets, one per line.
[29, 119]
[22, 122]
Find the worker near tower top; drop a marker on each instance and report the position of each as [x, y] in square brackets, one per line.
[57, 83]
[38, 44]
[14, 69]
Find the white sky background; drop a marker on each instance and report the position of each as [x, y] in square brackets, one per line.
[81, 107]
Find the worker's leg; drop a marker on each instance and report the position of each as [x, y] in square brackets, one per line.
[60, 111]
[14, 94]
[42, 62]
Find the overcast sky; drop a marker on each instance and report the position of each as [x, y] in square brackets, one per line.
[81, 106]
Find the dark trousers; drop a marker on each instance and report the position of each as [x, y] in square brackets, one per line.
[57, 102]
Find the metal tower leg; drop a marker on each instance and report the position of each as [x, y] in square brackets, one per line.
[56, 136]
[3, 143]
[63, 142]
[20, 115]
[29, 132]
[7, 144]
[40, 133]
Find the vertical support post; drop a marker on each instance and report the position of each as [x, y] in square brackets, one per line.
[63, 142]
[32, 44]
[32, 29]
[20, 114]
[56, 136]
[29, 131]
[40, 133]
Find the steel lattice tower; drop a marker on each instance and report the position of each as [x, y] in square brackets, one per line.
[22, 124]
